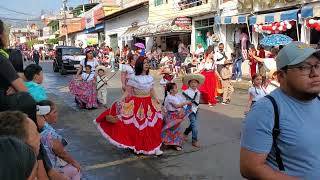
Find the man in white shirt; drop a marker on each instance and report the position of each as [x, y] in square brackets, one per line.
[220, 57]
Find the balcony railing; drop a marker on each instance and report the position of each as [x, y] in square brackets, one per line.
[186, 4]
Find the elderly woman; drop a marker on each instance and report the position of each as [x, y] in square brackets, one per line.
[54, 143]
[85, 91]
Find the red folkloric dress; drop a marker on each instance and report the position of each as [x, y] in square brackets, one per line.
[135, 123]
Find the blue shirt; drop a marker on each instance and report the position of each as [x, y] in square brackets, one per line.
[299, 134]
[37, 91]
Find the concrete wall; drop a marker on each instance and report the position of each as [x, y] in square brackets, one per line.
[170, 10]
[120, 24]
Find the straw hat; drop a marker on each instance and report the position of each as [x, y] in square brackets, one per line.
[100, 67]
[271, 73]
[166, 71]
[198, 77]
[227, 62]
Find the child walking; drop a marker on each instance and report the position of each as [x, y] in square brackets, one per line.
[168, 77]
[256, 92]
[226, 76]
[176, 109]
[193, 81]
[88, 75]
[102, 84]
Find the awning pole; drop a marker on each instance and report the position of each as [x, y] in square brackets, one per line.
[249, 32]
[297, 26]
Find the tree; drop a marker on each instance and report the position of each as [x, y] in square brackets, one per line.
[53, 41]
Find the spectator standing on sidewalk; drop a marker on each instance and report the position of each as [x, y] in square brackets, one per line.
[220, 57]
[36, 56]
[279, 134]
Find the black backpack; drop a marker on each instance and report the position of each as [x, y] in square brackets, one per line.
[276, 132]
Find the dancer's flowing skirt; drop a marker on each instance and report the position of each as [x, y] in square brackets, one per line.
[85, 93]
[135, 124]
[171, 131]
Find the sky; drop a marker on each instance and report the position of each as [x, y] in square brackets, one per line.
[33, 7]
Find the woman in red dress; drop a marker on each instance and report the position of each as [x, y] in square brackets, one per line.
[135, 122]
[208, 70]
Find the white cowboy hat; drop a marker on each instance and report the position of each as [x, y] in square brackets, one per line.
[100, 67]
[270, 64]
[198, 77]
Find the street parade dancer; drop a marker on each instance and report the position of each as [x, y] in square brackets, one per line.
[127, 70]
[102, 80]
[168, 77]
[226, 76]
[193, 81]
[85, 91]
[177, 108]
[135, 122]
[208, 70]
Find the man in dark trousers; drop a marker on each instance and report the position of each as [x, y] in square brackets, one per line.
[36, 56]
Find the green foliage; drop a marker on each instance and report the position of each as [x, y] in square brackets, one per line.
[53, 41]
[30, 43]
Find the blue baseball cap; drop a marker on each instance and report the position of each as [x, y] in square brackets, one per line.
[294, 53]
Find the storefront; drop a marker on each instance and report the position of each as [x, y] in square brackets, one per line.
[231, 28]
[203, 30]
[284, 22]
[167, 34]
[121, 26]
[310, 19]
[97, 31]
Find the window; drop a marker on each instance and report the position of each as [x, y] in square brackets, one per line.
[158, 2]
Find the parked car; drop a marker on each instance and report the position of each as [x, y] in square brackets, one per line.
[67, 59]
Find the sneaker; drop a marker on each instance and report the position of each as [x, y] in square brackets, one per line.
[159, 152]
[239, 80]
[112, 71]
[224, 103]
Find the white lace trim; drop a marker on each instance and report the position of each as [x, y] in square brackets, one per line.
[147, 123]
[119, 145]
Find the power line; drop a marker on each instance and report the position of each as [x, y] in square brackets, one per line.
[15, 19]
[11, 10]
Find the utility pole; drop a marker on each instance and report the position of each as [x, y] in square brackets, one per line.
[64, 6]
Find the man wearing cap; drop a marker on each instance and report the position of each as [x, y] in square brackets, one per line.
[280, 134]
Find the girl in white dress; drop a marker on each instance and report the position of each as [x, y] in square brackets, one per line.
[127, 71]
[136, 121]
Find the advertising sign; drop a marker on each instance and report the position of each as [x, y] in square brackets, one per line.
[92, 39]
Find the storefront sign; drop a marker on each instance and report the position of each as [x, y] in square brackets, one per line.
[261, 5]
[92, 39]
[182, 21]
[89, 20]
[181, 24]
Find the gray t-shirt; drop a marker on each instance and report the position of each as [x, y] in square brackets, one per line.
[299, 137]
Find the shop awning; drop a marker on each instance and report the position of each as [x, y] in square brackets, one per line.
[310, 11]
[131, 31]
[241, 19]
[274, 17]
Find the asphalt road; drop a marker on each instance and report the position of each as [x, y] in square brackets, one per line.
[219, 135]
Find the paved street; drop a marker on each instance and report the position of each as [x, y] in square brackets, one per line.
[219, 136]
